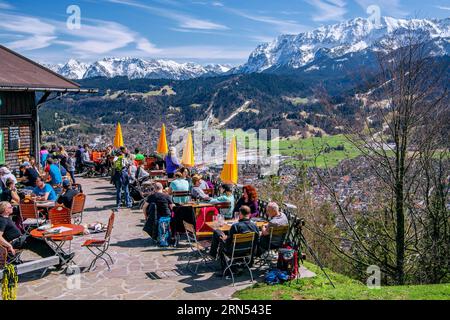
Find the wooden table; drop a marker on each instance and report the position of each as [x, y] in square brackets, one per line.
[57, 240]
[227, 226]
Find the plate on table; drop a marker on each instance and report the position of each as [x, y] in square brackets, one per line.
[45, 227]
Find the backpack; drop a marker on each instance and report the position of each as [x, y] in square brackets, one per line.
[288, 261]
[118, 164]
[275, 276]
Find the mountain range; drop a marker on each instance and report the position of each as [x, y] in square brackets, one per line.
[312, 51]
[136, 68]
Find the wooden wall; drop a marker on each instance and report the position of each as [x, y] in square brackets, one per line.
[18, 109]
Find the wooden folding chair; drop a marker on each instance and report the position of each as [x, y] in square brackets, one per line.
[77, 208]
[99, 247]
[277, 237]
[198, 248]
[30, 215]
[60, 215]
[241, 253]
[178, 194]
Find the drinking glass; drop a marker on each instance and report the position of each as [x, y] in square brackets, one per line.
[236, 216]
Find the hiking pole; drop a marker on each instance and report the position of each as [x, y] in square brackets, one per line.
[303, 240]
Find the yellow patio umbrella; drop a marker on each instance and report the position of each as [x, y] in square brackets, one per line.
[162, 143]
[188, 153]
[230, 168]
[118, 139]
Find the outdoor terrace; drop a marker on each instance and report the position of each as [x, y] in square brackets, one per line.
[141, 270]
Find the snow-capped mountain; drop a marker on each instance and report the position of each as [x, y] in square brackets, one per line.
[135, 68]
[296, 51]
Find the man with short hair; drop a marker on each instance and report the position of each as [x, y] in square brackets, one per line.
[29, 175]
[276, 219]
[53, 172]
[164, 206]
[12, 238]
[66, 198]
[44, 191]
[222, 243]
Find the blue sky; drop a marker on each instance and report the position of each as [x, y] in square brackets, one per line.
[203, 31]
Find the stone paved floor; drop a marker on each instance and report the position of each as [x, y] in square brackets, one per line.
[141, 271]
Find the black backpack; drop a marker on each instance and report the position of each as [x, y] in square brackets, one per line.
[151, 225]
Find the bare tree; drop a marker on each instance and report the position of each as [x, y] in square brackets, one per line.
[408, 97]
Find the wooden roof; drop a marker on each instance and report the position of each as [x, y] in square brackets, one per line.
[16, 71]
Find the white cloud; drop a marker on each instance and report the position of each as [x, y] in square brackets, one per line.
[443, 8]
[6, 6]
[35, 33]
[283, 26]
[328, 10]
[95, 37]
[185, 21]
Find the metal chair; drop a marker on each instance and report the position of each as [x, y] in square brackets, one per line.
[198, 248]
[30, 215]
[209, 192]
[6, 258]
[99, 247]
[242, 253]
[277, 235]
[77, 208]
[60, 215]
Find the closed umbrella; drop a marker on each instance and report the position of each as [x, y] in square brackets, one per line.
[188, 153]
[230, 168]
[162, 143]
[118, 139]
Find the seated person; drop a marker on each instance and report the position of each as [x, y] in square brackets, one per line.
[10, 193]
[197, 191]
[67, 195]
[163, 201]
[250, 199]
[179, 184]
[227, 196]
[12, 238]
[44, 191]
[29, 175]
[164, 207]
[53, 172]
[222, 243]
[141, 173]
[6, 174]
[276, 219]
[140, 158]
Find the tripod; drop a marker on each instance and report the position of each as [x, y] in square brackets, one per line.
[313, 254]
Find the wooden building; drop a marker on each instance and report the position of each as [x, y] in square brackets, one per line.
[24, 87]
